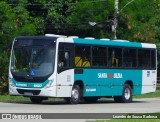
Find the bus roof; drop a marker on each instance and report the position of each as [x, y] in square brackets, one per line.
[113, 43]
[121, 43]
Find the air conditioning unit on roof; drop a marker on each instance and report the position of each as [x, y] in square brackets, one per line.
[73, 37]
[120, 40]
[106, 39]
[89, 38]
[54, 35]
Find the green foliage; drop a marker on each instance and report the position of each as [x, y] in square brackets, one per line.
[138, 21]
[13, 22]
[87, 11]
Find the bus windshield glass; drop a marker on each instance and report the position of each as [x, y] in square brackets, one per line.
[32, 60]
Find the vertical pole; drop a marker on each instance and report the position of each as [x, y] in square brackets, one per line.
[115, 21]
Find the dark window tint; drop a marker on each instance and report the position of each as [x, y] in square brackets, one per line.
[115, 57]
[129, 58]
[99, 56]
[143, 59]
[153, 59]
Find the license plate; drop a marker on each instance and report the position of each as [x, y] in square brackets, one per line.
[28, 94]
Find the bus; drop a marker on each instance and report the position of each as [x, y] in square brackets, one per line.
[81, 69]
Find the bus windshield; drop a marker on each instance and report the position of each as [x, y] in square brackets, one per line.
[32, 61]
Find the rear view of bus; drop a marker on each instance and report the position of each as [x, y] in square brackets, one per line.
[31, 71]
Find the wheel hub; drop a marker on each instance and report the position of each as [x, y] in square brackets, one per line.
[75, 94]
[127, 93]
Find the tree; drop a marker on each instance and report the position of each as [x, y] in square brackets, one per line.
[138, 21]
[87, 11]
[13, 22]
[48, 16]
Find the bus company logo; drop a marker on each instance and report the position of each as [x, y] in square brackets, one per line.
[148, 73]
[110, 75]
[91, 90]
[102, 75]
[118, 75]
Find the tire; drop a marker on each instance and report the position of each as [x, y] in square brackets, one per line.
[36, 100]
[75, 95]
[90, 99]
[126, 95]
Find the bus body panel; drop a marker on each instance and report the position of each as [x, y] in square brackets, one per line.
[65, 82]
[149, 81]
[109, 82]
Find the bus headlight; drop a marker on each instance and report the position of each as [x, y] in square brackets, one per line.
[49, 84]
[11, 82]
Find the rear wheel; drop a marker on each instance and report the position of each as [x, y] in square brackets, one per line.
[126, 95]
[35, 100]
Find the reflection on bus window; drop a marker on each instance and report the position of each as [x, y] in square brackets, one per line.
[64, 59]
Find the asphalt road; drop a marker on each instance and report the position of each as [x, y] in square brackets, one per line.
[147, 105]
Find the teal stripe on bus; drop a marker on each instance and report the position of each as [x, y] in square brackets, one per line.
[29, 84]
[109, 82]
[105, 42]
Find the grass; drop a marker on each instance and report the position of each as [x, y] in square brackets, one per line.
[150, 95]
[8, 98]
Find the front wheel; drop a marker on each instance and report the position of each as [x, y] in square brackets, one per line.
[126, 95]
[75, 95]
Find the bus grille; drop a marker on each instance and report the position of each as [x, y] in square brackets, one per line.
[34, 92]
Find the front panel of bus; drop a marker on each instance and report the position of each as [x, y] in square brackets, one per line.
[32, 64]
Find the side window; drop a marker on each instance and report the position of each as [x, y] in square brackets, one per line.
[64, 59]
[65, 55]
[129, 58]
[144, 59]
[153, 59]
[82, 56]
[99, 56]
[115, 57]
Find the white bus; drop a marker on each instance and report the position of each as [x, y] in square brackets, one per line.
[81, 68]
